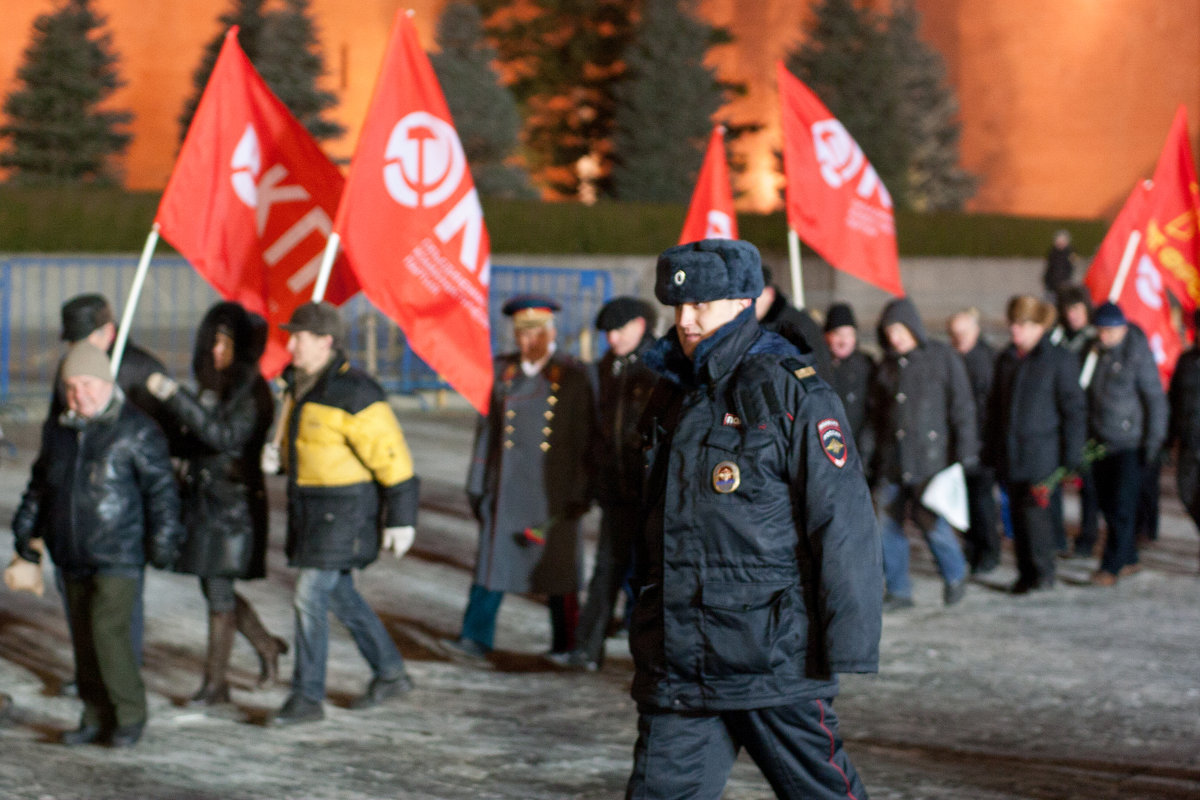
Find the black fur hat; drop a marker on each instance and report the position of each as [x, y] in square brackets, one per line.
[711, 269]
[621, 310]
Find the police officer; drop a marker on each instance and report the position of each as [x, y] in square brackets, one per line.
[624, 387]
[530, 481]
[758, 566]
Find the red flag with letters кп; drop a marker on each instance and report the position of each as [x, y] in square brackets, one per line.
[411, 223]
[710, 215]
[251, 200]
[835, 201]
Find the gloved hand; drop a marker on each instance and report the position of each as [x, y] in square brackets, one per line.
[24, 576]
[399, 539]
[270, 459]
[161, 386]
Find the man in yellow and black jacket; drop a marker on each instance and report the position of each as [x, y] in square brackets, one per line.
[351, 489]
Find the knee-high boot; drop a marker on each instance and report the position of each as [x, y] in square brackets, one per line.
[268, 646]
[215, 688]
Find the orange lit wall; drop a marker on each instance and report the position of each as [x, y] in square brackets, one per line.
[1064, 103]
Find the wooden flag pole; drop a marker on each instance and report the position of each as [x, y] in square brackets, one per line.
[1089, 364]
[135, 293]
[327, 259]
[794, 263]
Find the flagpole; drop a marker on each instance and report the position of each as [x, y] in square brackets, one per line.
[794, 263]
[327, 259]
[135, 294]
[1089, 364]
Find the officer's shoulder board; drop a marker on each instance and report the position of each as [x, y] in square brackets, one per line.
[805, 373]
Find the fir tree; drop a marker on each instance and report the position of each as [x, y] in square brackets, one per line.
[928, 118]
[845, 61]
[291, 63]
[56, 128]
[561, 58]
[666, 104]
[248, 16]
[485, 113]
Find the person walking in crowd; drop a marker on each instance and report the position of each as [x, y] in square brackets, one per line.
[224, 426]
[103, 494]
[1184, 429]
[982, 539]
[624, 384]
[1127, 415]
[850, 370]
[89, 317]
[923, 420]
[530, 482]
[1037, 424]
[758, 567]
[349, 475]
[776, 314]
[1060, 265]
[1076, 334]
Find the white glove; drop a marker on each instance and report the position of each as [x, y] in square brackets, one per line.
[399, 539]
[161, 386]
[270, 459]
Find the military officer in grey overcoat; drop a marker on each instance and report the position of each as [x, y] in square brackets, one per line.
[530, 480]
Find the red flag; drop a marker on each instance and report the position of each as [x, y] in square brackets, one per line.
[1142, 296]
[835, 201]
[411, 223]
[710, 216]
[251, 200]
[1174, 216]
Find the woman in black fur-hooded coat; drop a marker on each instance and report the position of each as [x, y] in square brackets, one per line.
[224, 425]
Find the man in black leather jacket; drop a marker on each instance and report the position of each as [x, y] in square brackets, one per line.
[758, 566]
[104, 489]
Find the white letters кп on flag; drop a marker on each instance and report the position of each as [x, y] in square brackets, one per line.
[411, 223]
[835, 201]
[251, 200]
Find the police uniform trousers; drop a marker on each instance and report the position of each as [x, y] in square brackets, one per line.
[688, 755]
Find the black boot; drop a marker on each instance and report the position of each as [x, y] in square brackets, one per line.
[215, 689]
[268, 647]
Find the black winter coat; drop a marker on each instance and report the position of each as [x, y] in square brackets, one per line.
[624, 387]
[1127, 408]
[922, 413]
[222, 430]
[980, 362]
[105, 495]
[759, 564]
[1037, 414]
[851, 378]
[798, 327]
[1185, 401]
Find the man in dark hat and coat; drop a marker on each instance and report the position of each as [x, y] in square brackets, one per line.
[758, 566]
[776, 313]
[530, 481]
[624, 387]
[850, 369]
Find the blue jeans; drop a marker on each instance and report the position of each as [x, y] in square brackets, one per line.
[897, 503]
[319, 591]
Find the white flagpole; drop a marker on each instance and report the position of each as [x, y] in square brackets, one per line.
[1089, 364]
[794, 263]
[135, 294]
[327, 259]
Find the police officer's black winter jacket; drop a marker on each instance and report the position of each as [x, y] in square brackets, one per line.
[759, 562]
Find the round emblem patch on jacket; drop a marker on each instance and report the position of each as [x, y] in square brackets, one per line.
[726, 477]
[833, 441]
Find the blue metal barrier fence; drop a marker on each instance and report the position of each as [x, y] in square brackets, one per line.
[175, 297]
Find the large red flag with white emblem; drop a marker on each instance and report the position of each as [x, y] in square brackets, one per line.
[251, 200]
[710, 215]
[835, 200]
[1173, 226]
[411, 223]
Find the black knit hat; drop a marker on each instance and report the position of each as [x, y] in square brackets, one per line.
[839, 314]
[711, 269]
[620, 311]
[83, 314]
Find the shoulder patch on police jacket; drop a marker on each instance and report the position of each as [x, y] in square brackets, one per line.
[807, 375]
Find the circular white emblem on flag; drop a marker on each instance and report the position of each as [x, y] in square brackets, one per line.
[246, 164]
[1149, 283]
[424, 161]
[680, 277]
